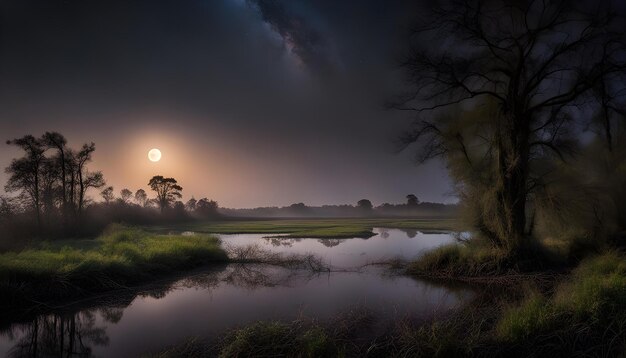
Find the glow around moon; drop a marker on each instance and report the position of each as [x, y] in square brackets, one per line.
[154, 155]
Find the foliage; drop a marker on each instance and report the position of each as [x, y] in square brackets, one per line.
[167, 190]
[118, 257]
[500, 62]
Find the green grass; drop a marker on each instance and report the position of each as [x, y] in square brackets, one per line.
[462, 260]
[310, 228]
[119, 257]
[476, 258]
[278, 339]
[585, 315]
[340, 336]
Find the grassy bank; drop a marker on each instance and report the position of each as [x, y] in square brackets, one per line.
[581, 315]
[585, 314]
[311, 228]
[119, 257]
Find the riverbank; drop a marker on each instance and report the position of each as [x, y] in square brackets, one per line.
[119, 257]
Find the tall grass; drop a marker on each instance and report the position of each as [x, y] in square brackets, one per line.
[120, 256]
[586, 313]
[477, 258]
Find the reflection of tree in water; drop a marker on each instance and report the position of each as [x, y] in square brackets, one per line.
[61, 336]
[281, 241]
[74, 335]
[331, 242]
[411, 233]
[253, 276]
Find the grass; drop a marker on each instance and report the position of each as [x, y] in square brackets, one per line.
[339, 337]
[311, 228]
[476, 259]
[587, 312]
[460, 260]
[119, 257]
[263, 339]
[583, 314]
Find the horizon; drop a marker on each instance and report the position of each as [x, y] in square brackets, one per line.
[251, 131]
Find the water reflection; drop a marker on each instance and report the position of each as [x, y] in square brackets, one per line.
[209, 301]
[60, 336]
[387, 244]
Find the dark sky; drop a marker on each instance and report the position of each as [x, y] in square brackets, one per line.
[252, 103]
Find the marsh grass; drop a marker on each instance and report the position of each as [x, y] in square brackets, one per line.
[311, 228]
[120, 256]
[302, 337]
[586, 313]
[475, 259]
[255, 254]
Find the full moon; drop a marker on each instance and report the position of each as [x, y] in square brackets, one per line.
[154, 155]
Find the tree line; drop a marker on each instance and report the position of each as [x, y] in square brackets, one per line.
[51, 182]
[363, 208]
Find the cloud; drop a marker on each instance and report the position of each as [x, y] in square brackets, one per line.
[300, 38]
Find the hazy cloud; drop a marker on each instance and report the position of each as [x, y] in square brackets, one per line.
[300, 38]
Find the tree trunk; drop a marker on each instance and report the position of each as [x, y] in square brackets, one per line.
[513, 153]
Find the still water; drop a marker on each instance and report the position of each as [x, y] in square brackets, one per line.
[207, 302]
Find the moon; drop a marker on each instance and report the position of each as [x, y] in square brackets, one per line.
[154, 155]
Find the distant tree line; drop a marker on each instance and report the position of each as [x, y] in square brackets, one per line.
[363, 208]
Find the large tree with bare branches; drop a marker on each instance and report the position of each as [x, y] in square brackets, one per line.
[530, 71]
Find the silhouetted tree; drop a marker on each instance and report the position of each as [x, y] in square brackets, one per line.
[141, 197]
[364, 205]
[57, 141]
[411, 200]
[25, 173]
[87, 179]
[125, 195]
[167, 190]
[206, 207]
[531, 66]
[107, 194]
[191, 204]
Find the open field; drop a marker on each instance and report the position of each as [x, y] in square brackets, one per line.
[309, 228]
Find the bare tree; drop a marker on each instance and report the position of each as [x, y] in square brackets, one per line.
[25, 172]
[57, 141]
[167, 190]
[537, 63]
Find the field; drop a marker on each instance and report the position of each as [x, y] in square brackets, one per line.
[308, 228]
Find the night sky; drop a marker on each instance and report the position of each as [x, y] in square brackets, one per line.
[253, 103]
